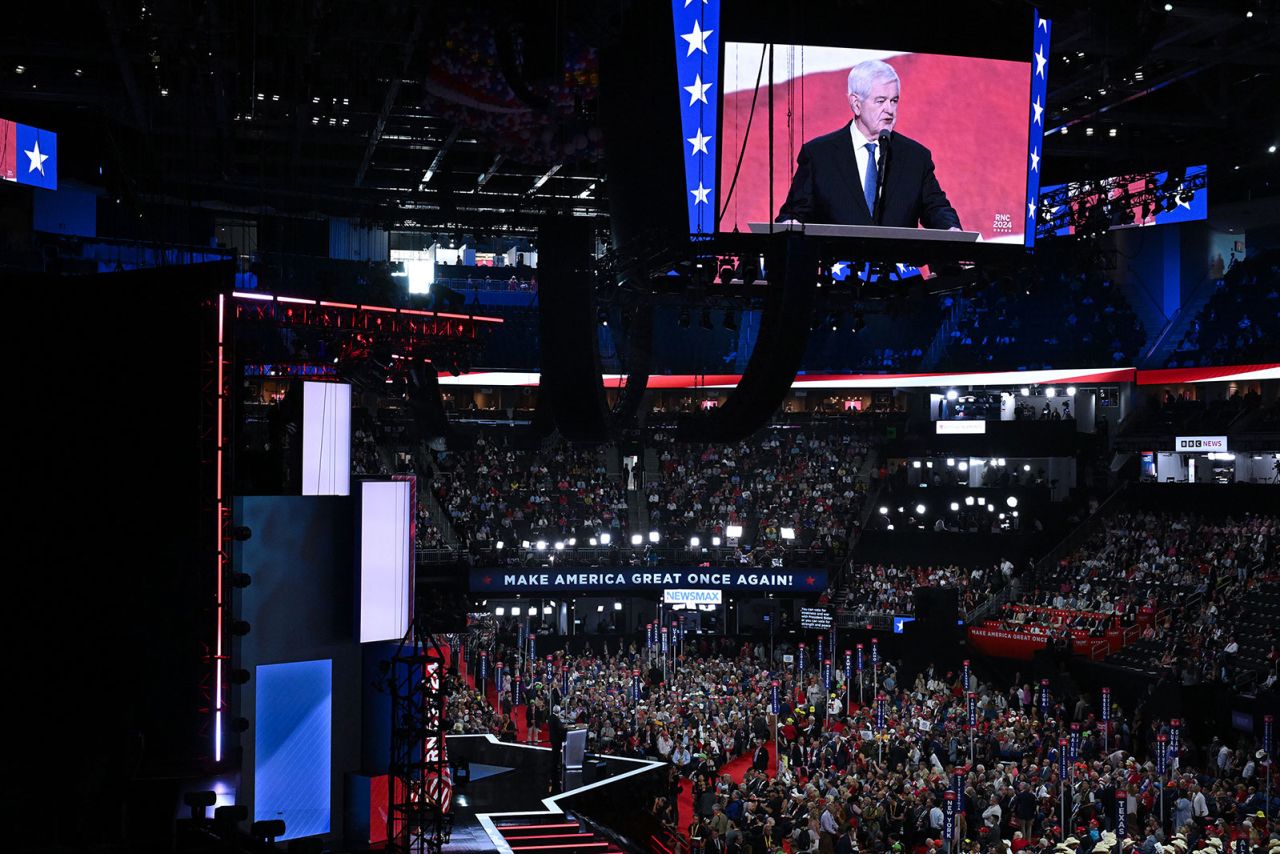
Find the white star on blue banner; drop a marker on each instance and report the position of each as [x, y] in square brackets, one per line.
[697, 55]
[1035, 119]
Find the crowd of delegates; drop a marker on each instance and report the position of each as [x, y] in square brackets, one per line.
[803, 480]
[1068, 318]
[365, 458]
[889, 589]
[493, 492]
[1240, 321]
[840, 784]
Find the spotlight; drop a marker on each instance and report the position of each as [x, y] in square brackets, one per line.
[920, 509]
[1026, 392]
[991, 508]
[559, 546]
[546, 610]
[499, 611]
[968, 501]
[541, 545]
[1050, 391]
[573, 541]
[605, 537]
[1012, 501]
[955, 505]
[1071, 391]
[951, 461]
[788, 533]
[884, 511]
[500, 545]
[532, 611]
[963, 466]
[915, 464]
[1168, 7]
[524, 544]
[1026, 466]
[694, 542]
[617, 606]
[593, 541]
[733, 531]
[715, 541]
[952, 394]
[653, 536]
[599, 609]
[636, 539]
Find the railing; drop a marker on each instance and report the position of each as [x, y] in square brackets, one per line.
[1101, 649]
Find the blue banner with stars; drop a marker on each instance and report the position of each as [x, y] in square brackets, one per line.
[698, 68]
[1036, 120]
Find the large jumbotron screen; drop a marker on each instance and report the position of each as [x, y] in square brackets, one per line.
[958, 149]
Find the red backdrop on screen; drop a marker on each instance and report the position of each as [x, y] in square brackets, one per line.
[970, 113]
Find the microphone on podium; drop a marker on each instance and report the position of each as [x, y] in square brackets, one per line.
[883, 140]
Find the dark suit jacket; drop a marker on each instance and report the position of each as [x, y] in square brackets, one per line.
[827, 187]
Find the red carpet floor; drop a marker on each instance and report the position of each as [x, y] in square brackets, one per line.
[735, 768]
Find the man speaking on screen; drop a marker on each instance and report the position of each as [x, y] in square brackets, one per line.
[839, 176]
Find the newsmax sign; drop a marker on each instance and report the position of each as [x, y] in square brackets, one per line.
[598, 579]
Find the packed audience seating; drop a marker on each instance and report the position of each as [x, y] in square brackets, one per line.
[801, 479]
[494, 493]
[890, 589]
[839, 783]
[1167, 589]
[1064, 320]
[1240, 322]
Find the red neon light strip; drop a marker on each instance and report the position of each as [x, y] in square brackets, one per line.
[296, 299]
[454, 316]
[338, 304]
[534, 826]
[417, 311]
[556, 847]
[554, 836]
[487, 319]
[377, 308]
[243, 295]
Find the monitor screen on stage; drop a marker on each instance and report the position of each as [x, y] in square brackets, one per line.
[957, 153]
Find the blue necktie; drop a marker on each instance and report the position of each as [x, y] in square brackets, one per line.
[869, 186]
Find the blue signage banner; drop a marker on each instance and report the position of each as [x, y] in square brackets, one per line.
[603, 579]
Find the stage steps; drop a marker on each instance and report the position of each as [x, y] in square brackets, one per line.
[559, 834]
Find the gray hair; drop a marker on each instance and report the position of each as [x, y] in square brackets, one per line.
[866, 74]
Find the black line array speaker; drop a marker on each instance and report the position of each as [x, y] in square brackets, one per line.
[570, 381]
[792, 272]
[937, 605]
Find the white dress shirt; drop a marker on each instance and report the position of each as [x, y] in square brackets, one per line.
[860, 151]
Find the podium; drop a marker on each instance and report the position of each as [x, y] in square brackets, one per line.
[879, 232]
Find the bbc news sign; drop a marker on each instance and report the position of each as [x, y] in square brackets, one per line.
[1195, 444]
[693, 597]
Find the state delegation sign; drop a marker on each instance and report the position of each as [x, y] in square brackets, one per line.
[593, 579]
